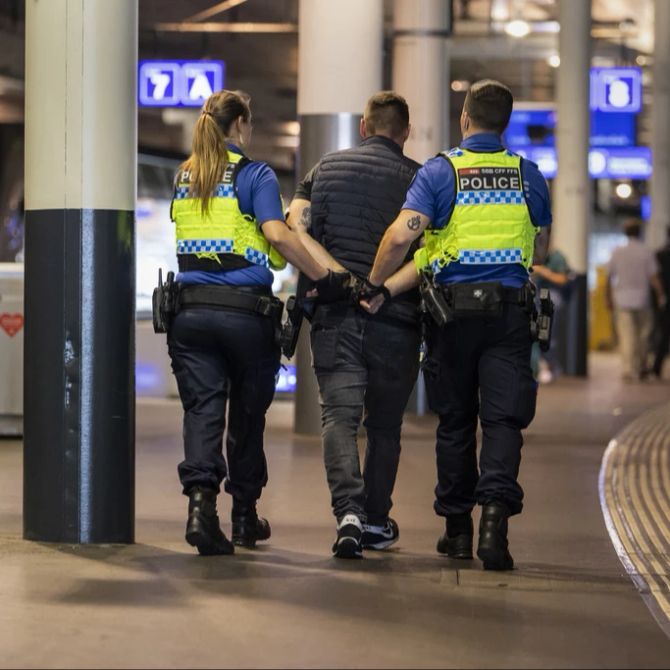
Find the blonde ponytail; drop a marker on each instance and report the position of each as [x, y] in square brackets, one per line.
[209, 153]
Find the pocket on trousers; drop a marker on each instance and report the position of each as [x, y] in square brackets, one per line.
[324, 347]
[526, 399]
[187, 395]
[438, 400]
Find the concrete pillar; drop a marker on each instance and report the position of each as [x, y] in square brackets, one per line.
[80, 180]
[421, 75]
[339, 68]
[572, 190]
[421, 72]
[660, 130]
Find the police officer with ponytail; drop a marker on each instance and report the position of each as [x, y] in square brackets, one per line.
[485, 212]
[222, 340]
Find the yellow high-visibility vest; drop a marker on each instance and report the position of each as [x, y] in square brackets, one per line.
[490, 223]
[224, 229]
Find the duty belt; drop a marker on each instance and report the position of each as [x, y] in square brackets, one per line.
[516, 296]
[258, 300]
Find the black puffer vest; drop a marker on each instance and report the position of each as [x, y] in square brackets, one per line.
[357, 193]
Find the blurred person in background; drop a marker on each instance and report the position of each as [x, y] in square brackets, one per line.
[223, 339]
[662, 334]
[553, 274]
[632, 270]
[366, 364]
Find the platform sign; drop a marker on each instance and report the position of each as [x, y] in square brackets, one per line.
[611, 163]
[178, 83]
[536, 127]
[616, 89]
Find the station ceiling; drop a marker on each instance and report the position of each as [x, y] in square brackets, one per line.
[258, 40]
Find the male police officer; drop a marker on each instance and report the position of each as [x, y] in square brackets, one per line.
[485, 211]
[362, 362]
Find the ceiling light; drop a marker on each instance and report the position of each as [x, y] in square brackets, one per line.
[459, 85]
[517, 28]
[642, 60]
[499, 10]
[213, 11]
[554, 60]
[623, 190]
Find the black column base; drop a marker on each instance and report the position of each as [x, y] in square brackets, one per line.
[79, 377]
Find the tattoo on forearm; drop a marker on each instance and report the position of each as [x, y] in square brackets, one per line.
[414, 223]
[306, 218]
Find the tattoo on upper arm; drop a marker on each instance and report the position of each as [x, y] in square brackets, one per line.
[306, 218]
[414, 223]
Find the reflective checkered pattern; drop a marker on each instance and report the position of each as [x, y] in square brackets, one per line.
[256, 257]
[200, 246]
[225, 191]
[489, 256]
[222, 191]
[455, 152]
[490, 198]
[181, 192]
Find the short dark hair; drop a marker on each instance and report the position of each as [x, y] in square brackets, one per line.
[386, 111]
[489, 105]
[632, 227]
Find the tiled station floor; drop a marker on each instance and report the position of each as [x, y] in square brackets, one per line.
[569, 603]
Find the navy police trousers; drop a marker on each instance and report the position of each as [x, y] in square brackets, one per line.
[223, 357]
[480, 368]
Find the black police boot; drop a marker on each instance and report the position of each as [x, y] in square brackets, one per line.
[457, 539]
[202, 529]
[492, 548]
[248, 527]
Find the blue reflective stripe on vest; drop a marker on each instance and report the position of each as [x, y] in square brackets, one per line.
[490, 198]
[489, 256]
[256, 257]
[198, 246]
[225, 191]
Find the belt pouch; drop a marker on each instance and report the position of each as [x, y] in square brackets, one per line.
[473, 300]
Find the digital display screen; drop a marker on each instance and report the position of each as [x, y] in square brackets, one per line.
[178, 83]
[622, 163]
[537, 128]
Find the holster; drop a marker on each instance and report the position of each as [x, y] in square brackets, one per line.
[295, 312]
[163, 302]
[434, 302]
[542, 324]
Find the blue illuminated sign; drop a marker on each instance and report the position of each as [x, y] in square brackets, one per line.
[611, 163]
[616, 89]
[531, 127]
[537, 127]
[645, 207]
[287, 379]
[178, 83]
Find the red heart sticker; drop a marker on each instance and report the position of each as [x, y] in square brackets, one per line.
[11, 323]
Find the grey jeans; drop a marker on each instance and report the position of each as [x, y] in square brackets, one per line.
[366, 368]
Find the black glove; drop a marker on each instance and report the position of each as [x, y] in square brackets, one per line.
[368, 290]
[335, 286]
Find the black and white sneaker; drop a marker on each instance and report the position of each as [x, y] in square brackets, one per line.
[349, 534]
[380, 537]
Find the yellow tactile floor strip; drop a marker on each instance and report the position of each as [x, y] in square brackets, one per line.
[635, 499]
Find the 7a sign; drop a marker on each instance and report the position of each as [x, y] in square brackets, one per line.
[180, 83]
